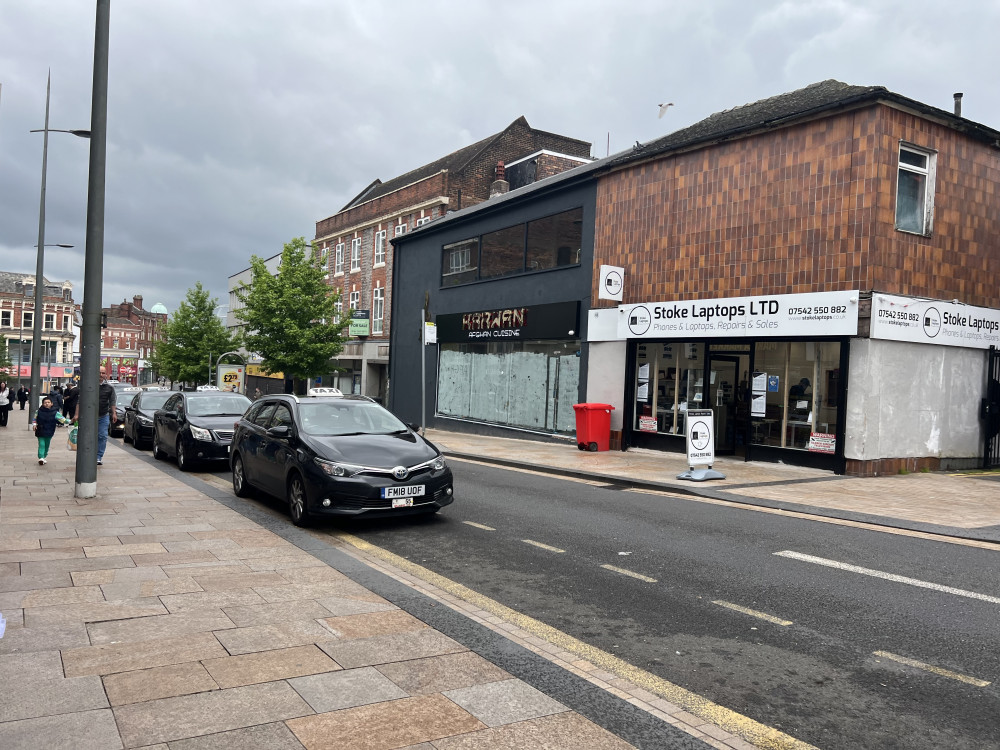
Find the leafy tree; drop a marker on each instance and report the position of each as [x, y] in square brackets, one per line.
[290, 319]
[6, 365]
[190, 337]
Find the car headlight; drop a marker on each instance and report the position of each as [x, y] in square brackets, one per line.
[144, 421]
[200, 433]
[438, 463]
[333, 469]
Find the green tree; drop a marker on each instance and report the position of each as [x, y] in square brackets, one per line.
[6, 365]
[192, 335]
[290, 319]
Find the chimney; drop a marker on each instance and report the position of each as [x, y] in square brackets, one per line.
[958, 104]
[500, 185]
[137, 301]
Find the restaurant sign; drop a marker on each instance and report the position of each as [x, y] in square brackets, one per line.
[538, 322]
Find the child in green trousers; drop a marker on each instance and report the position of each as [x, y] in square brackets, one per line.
[44, 425]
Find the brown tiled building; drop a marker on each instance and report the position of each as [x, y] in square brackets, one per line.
[354, 245]
[821, 269]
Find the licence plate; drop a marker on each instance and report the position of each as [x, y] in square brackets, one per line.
[410, 491]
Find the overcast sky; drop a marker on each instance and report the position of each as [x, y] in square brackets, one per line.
[234, 125]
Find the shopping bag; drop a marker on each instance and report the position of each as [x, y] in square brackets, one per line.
[71, 438]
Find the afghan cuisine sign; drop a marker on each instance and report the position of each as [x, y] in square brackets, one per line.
[538, 322]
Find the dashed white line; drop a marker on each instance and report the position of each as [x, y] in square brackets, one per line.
[542, 546]
[482, 526]
[888, 576]
[932, 669]
[630, 573]
[754, 613]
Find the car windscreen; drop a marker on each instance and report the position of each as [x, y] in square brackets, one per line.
[217, 404]
[347, 418]
[154, 399]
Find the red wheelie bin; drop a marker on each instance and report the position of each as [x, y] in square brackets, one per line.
[593, 426]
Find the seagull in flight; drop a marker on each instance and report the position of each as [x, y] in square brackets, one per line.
[665, 107]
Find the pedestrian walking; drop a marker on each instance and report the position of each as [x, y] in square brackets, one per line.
[22, 396]
[106, 414]
[70, 399]
[44, 424]
[4, 404]
[57, 398]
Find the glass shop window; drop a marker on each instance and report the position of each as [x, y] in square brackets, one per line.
[669, 380]
[793, 395]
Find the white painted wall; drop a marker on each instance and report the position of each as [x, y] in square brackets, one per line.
[606, 377]
[914, 400]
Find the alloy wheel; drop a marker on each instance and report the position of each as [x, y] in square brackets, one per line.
[297, 501]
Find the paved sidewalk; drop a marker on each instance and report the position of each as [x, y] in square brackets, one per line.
[962, 505]
[166, 613]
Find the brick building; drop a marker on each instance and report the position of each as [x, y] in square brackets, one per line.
[129, 339]
[821, 269]
[355, 243]
[17, 309]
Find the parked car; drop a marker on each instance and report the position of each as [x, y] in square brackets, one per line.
[138, 418]
[337, 456]
[196, 426]
[124, 393]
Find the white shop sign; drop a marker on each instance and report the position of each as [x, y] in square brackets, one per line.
[780, 315]
[925, 321]
[700, 434]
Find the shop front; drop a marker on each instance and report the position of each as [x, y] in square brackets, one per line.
[773, 370]
[515, 367]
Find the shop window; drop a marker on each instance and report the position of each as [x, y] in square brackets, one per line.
[794, 394]
[669, 381]
[502, 253]
[530, 384]
[542, 244]
[555, 241]
[461, 262]
[915, 190]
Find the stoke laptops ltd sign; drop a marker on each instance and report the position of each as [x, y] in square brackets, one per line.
[779, 315]
[928, 321]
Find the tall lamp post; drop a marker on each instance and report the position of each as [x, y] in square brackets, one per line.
[39, 313]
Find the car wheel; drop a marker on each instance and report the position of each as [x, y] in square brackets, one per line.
[240, 486]
[297, 501]
[158, 453]
[137, 442]
[184, 462]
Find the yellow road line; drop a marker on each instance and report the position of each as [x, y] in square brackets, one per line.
[764, 737]
[484, 527]
[754, 613]
[624, 572]
[542, 546]
[932, 669]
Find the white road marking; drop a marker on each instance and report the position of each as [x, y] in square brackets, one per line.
[624, 572]
[754, 613]
[479, 525]
[542, 546]
[888, 576]
[931, 668]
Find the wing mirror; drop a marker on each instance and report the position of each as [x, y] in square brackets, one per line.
[280, 431]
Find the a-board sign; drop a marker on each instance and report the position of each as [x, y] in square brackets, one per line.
[700, 432]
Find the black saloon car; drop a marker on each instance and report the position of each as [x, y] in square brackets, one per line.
[337, 456]
[124, 393]
[197, 426]
[138, 418]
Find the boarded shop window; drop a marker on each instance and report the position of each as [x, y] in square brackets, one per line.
[531, 385]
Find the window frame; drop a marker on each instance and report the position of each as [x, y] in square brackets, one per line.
[7, 318]
[379, 252]
[378, 308]
[929, 174]
[27, 319]
[338, 263]
[355, 300]
[400, 229]
[49, 321]
[355, 254]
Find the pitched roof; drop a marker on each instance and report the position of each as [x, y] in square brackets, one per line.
[813, 100]
[8, 283]
[453, 162]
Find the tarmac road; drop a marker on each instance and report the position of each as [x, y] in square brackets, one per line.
[850, 657]
[817, 677]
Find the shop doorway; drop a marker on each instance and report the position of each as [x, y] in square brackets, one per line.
[723, 399]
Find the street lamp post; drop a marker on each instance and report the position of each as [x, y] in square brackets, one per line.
[39, 312]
